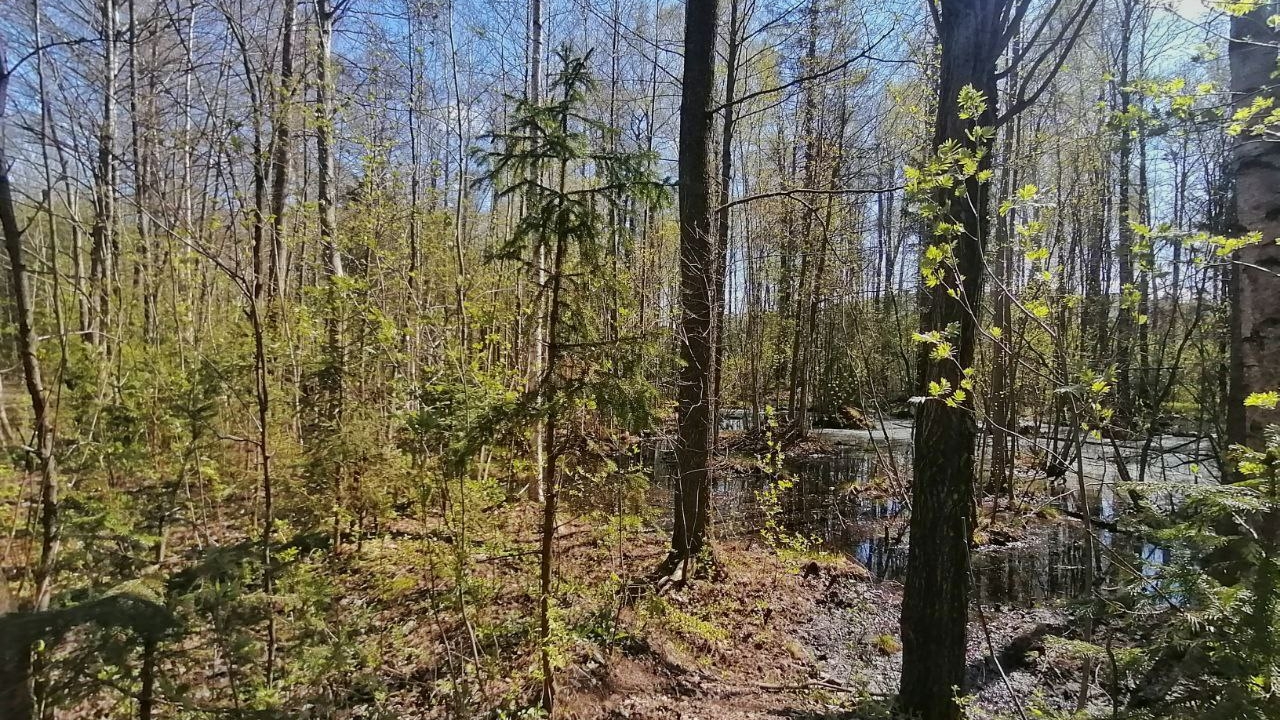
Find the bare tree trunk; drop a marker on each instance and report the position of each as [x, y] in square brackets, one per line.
[147, 676]
[15, 663]
[254, 286]
[1125, 313]
[413, 338]
[281, 151]
[537, 349]
[1255, 291]
[722, 215]
[144, 271]
[697, 285]
[326, 15]
[102, 254]
[1093, 317]
[936, 595]
[333, 380]
[549, 485]
[812, 152]
[809, 330]
[1255, 287]
[1003, 413]
[459, 210]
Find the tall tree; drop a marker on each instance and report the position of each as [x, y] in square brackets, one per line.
[973, 35]
[936, 597]
[726, 185]
[698, 280]
[1255, 322]
[1127, 216]
[536, 354]
[281, 154]
[1254, 52]
[566, 219]
[103, 254]
[334, 366]
[15, 663]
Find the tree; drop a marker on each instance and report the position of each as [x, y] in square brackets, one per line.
[1255, 288]
[333, 370]
[568, 221]
[104, 253]
[726, 186]
[537, 257]
[15, 665]
[281, 156]
[1128, 216]
[935, 604]
[1255, 321]
[698, 290]
[973, 35]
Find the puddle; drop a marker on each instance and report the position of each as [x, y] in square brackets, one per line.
[846, 501]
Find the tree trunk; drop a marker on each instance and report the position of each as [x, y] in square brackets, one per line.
[550, 456]
[281, 150]
[936, 596]
[697, 280]
[723, 213]
[538, 270]
[812, 153]
[325, 15]
[144, 270]
[15, 662]
[1255, 322]
[102, 254]
[1003, 414]
[550, 451]
[1125, 312]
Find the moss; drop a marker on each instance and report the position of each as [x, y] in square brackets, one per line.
[887, 644]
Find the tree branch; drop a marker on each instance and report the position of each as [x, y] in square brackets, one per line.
[806, 191]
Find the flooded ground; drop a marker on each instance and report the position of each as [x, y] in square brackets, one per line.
[845, 494]
[849, 500]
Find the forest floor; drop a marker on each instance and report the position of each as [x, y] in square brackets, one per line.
[439, 612]
[777, 635]
[782, 638]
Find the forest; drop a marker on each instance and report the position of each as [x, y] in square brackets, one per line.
[672, 359]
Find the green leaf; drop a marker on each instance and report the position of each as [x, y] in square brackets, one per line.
[1265, 400]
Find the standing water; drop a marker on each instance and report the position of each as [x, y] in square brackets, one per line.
[849, 500]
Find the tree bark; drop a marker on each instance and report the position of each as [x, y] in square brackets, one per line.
[102, 254]
[812, 154]
[281, 151]
[550, 455]
[1255, 322]
[1125, 315]
[936, 596]
[697, 281]
[723, 213]
[538, 269]
[144, 270]
[15, 664]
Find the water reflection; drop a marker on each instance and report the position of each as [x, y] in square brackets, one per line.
[848, 501]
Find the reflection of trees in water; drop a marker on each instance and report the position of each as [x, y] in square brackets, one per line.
[847, 501]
